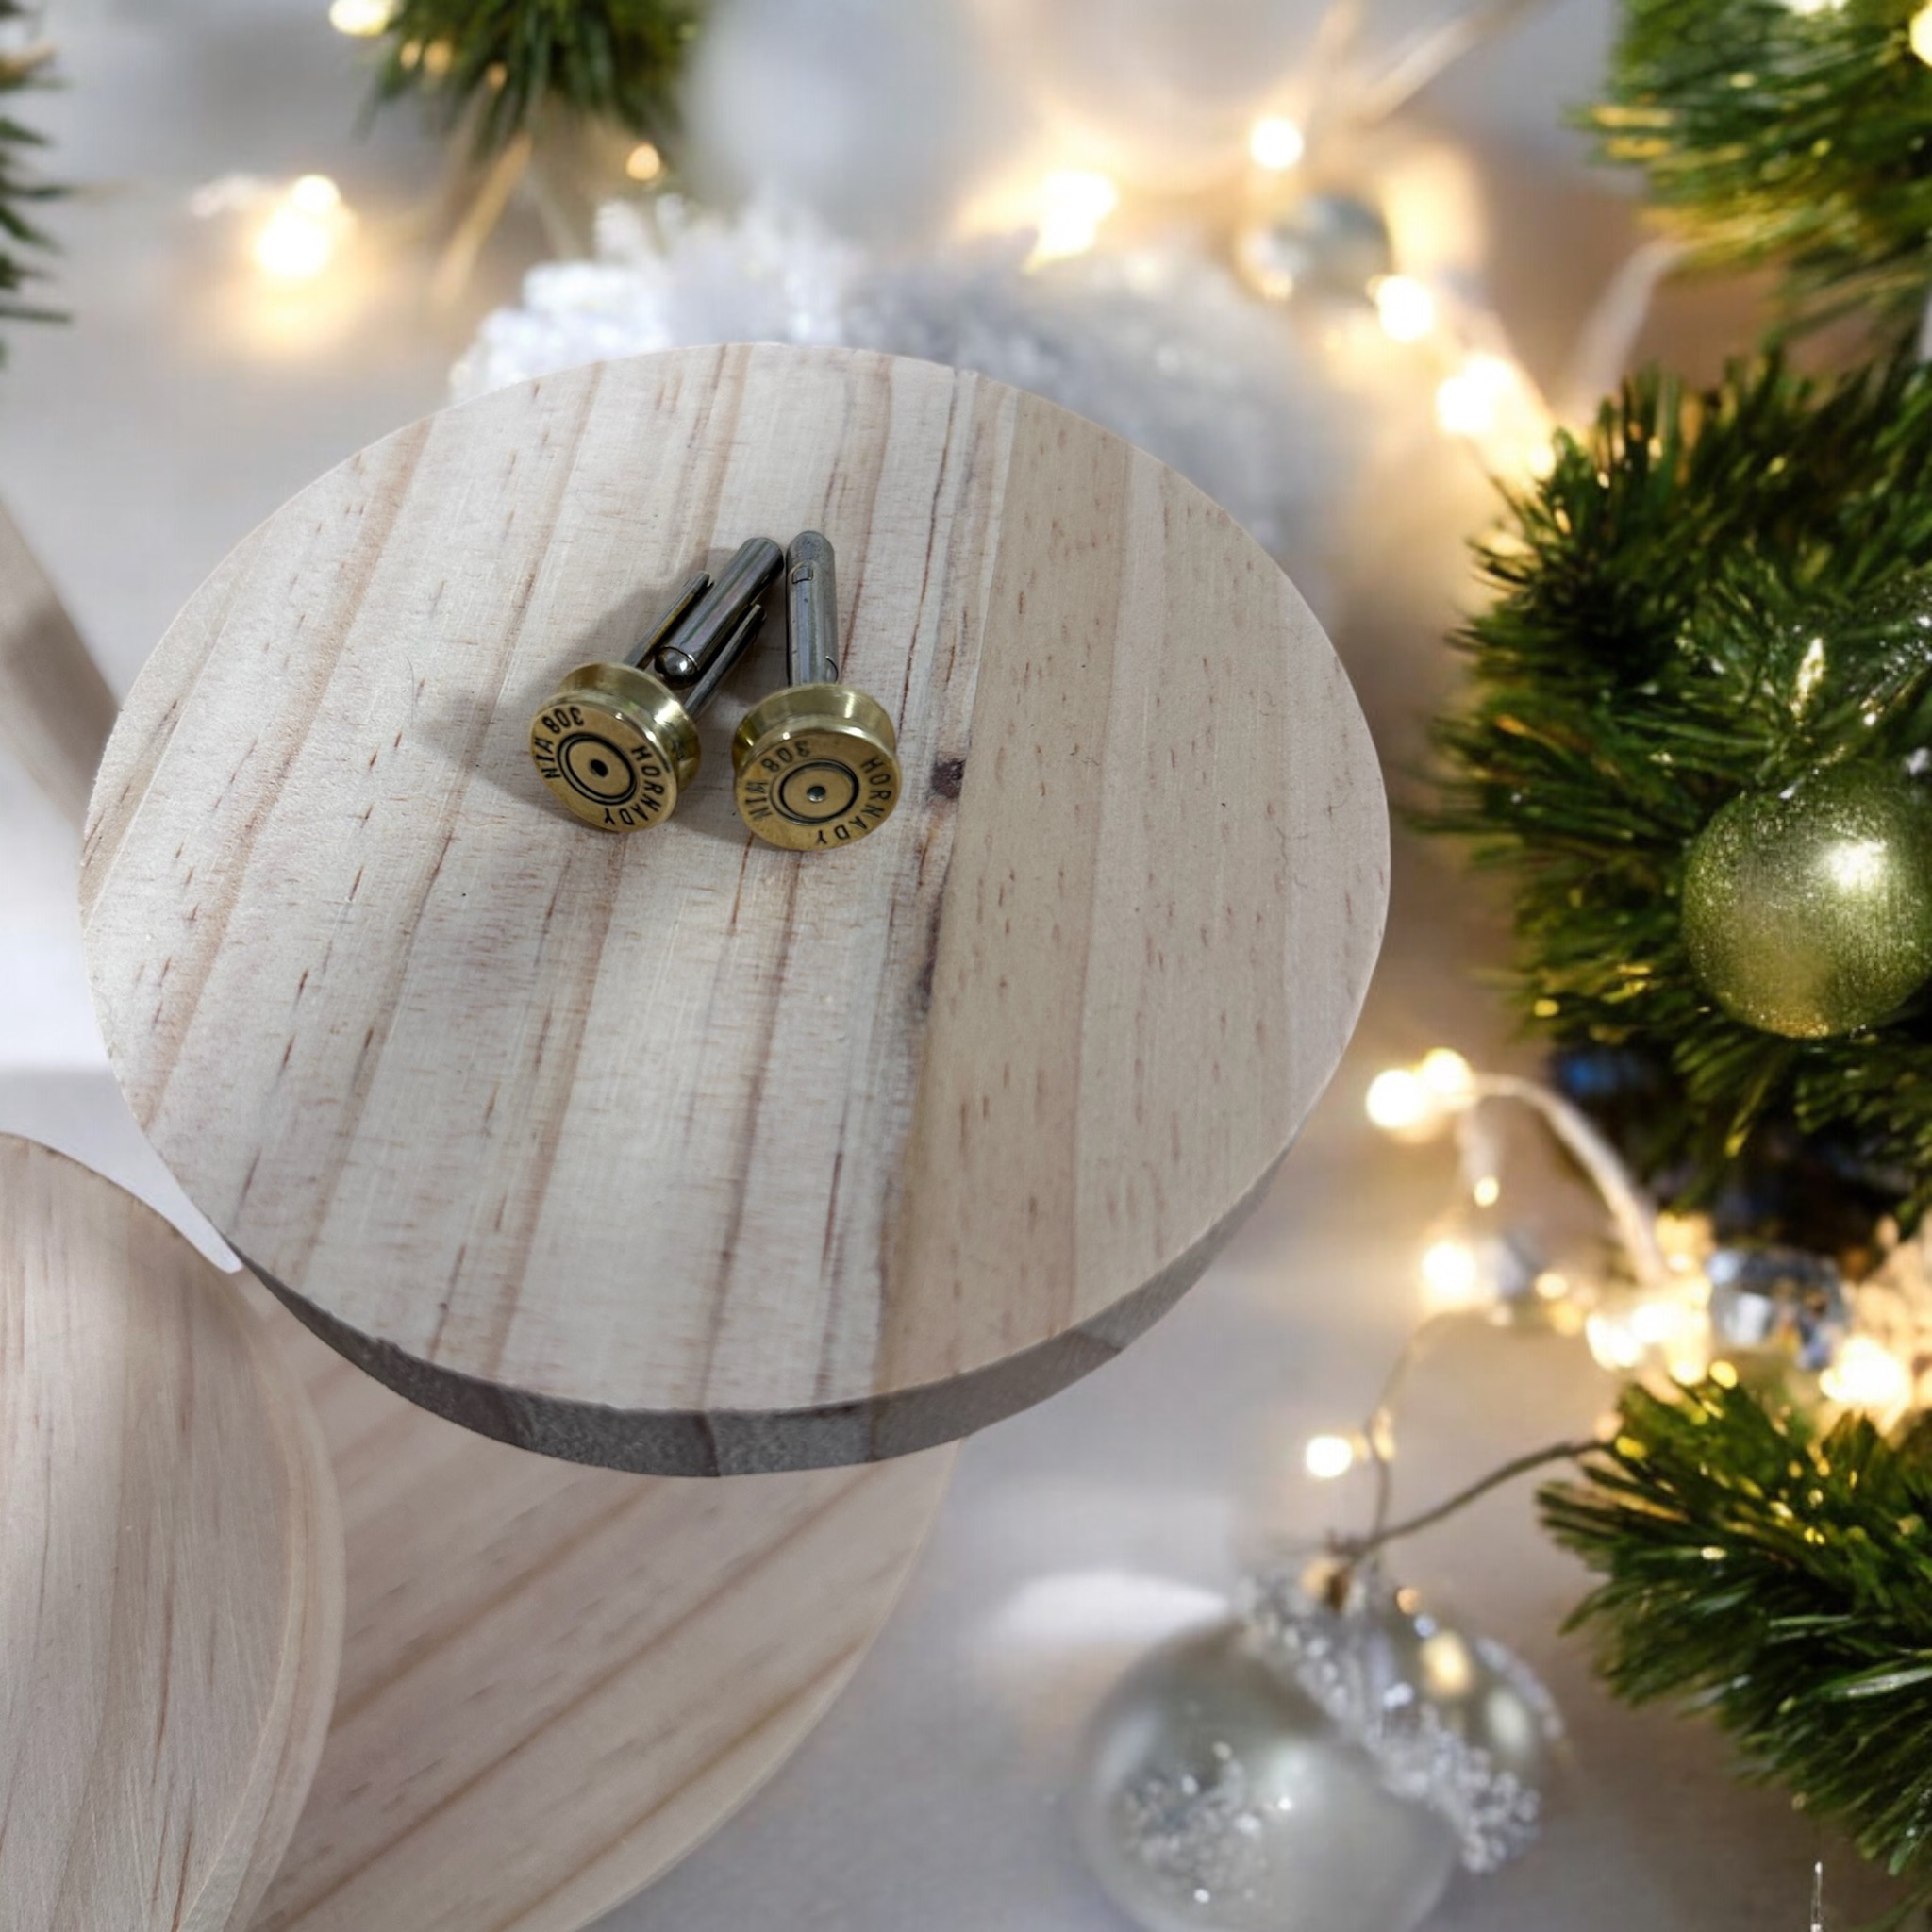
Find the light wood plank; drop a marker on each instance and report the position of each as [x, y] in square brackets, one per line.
[556, 1680]
[171, 1577]
[677, 1152]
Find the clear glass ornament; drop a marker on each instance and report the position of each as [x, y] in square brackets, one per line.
[1784, 1302]
[1314, 1767]
[1219, 1798]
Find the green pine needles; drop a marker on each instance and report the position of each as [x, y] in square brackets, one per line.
[500, 65]
[1710, 593]
[21, 239]
[1779, 1579]
[1798, 136]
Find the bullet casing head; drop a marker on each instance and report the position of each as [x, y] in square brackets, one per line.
[615, 746]
[817, 767]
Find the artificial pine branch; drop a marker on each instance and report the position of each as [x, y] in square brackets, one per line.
[1788, 135]
[1655, 601]
[1779, 1580]
[500, 64]
[21, 236]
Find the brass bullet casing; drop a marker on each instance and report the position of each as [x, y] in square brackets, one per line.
[616, 746]
[616, 742]
[817, 764]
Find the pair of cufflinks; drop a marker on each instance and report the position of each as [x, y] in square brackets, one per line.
[814, 765]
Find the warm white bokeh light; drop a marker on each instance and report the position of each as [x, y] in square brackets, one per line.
[314, 194]
[1452, 1278]
[1329, 1457]
[643, 162]
[1398, 1101]
[1275, 143]
[358, 17]
[1073, 202]
[1868, 1375]
[1414, 1102]
[1408, 309]
[1469, 402]
[1667, 1328]
[302, 231]
[1921, 34]
[1447, 1075]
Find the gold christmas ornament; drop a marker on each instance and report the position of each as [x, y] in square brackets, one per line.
[817, 764]
[1807, 912]
[616, 742]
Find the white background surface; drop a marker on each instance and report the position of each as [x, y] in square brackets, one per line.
[137, 445]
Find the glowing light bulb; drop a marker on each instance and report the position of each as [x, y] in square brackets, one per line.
[1329, 1457]
[1469, 402]
[1666, 1329]
[1398, 1101]
[1612, 1343]
[1405, 307]
[1451, 1278]
[1919, 34]
[359, 17]
[1488, 1191]
[1414, 1102]
[302, 233]
[1653, 1323]
[315, 194]
[643, 162]
[1275, 143]
[1868, 1375]
[1447, 1075]
[1073, 202]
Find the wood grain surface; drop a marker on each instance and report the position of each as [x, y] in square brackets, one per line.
[171, 1575]
[556, 1680]
[56, 710]
[677, 1152]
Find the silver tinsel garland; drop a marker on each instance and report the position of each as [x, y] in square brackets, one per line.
[1162, 347]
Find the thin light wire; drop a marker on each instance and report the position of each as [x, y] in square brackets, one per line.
[1631, 1208]
[1380, 1426]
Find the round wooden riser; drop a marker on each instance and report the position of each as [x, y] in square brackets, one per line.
[555, 1681]
[676, 1152]
[171, 1575]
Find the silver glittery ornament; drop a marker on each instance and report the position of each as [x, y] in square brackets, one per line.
[1311, 1768]
[1807, 912]
[1219, 1798]
[1784, 1302]
[1450, 1718]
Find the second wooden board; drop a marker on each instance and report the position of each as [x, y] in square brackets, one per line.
[677, 1152]
[171, 1575]
[555, 1681]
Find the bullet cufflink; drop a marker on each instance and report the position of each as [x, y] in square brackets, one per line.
[616, 742]
[815, 765]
